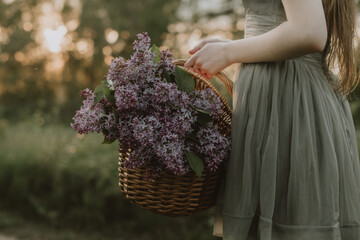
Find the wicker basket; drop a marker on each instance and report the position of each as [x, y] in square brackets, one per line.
[173, 195]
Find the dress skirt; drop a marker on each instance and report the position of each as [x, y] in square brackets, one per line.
[294, 172]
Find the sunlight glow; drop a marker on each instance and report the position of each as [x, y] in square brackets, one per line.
[53, 38]
[27, 26]
[111, 35]
[107, 50]
[55, 64]
[107, 60]
[8, 2]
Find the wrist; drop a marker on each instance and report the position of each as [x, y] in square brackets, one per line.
[226, 49]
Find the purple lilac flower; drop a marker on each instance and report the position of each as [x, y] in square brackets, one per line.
[126, 97]
[170, 152]
[166, 59]
[180, 122]
[88, 117]
[139, 157]
[125, 132]
[151, 117]
[117, 73]
[214, 146]
[145, 130]
[207, 100]
[143, 44]
[170, 93]
[109, 127]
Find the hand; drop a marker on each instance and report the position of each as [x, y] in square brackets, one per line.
[209, 57]
[202, 43]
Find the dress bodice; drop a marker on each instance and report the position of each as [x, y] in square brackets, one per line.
[265, 7]
[262, 16]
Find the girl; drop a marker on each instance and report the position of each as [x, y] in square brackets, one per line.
[294, 169]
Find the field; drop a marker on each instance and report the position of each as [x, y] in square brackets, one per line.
[59, 185]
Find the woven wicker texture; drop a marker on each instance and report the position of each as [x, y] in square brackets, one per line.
[173, 195]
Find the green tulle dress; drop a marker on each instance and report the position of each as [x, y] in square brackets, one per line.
[294, 168]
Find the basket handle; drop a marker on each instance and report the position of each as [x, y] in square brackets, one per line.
[221, 76]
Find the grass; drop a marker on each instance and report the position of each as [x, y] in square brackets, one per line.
[52, 178]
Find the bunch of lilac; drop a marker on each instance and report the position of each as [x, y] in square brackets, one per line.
[140, 104]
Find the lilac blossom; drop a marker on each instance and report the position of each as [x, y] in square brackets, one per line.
[139, 157]
[166, 59]
[88, 117]
[143, 44]
[214, 146]
[152, 117]
[109, 127]
[145, 130]
[126, 96]
[207, 100]
[125, 132]
[170, 152]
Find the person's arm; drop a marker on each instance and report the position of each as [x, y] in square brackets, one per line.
[304, 32]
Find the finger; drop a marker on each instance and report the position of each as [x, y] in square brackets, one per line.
[190, 62]
[203, 43]
[205, 76]
[208, 73]
[198, 65]
[195, 70]
[209, 76]
[203, 71]
[198, 47]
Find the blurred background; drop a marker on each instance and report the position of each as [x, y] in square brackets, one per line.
[54, 183]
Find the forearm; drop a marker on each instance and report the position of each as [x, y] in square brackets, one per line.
[304, 32]
[284, 42]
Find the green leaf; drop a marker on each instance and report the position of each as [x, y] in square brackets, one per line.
[202, 111]
[195, 162]
[99, 93]
[103, 91]
[167, 76]
[110, 96]
[156, 49]
[173, 106]
[203, 116]
[106, 141]
[184, 80]
[193, 138]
